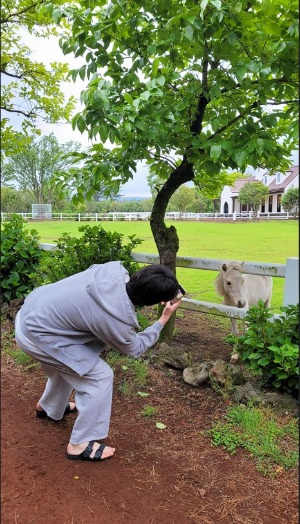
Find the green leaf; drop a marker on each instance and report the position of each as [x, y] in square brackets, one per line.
[142, 394]
[145, 95]
[215, 152]
[128, 98]
[155, 66]
[240, 72]
[159, 425]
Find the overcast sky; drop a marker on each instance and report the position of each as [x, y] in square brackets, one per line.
[47, 51]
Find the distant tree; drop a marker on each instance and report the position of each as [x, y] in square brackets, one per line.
[29, 89]
[290, 200]
[203, 204]
[15, 201]
[183, 200]
[252, 193]
[33, 168]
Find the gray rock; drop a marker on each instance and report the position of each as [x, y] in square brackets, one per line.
[197, 374]
[176, 356]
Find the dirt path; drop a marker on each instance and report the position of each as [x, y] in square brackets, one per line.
[170, 476]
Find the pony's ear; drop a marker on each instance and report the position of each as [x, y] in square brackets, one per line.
[224, 267]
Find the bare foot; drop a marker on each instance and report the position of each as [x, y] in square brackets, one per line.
[77, 449]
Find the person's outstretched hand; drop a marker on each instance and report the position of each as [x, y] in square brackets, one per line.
[168, 310]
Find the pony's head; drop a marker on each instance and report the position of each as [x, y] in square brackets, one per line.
[230, 282]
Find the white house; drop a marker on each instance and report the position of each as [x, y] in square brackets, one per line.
[277, 184]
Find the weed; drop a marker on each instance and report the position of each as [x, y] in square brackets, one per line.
[16, 354]
[136, 370]
[149, 411]
[272, 442]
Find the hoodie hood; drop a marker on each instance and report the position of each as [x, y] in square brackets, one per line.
[107, 286]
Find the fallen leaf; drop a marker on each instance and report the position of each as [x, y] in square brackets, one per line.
[159, 425]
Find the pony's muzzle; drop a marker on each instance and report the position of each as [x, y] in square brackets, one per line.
[241, 303]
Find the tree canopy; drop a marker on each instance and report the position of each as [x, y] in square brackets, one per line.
[290, 200]
[252, 194]
[29, 90]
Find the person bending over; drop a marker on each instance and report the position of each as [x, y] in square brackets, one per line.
[66, 325]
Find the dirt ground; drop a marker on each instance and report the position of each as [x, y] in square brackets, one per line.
[169, 476]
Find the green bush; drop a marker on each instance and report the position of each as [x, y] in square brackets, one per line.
[271, 348]
[95, 246]
[20, 259]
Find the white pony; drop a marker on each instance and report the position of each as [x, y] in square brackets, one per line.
[242, 290]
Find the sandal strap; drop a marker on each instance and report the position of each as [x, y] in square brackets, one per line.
[88, 450]
[99, 451]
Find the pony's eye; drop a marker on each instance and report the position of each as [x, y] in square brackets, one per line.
[228, 283]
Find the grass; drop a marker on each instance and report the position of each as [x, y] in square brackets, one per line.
[268, 241]
[133, 373]
[272, 441]
[16, 354]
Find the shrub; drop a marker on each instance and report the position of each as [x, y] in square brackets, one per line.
[95, 246]
[271, 349]
[20, 259]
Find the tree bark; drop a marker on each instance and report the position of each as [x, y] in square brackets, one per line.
[166, 238]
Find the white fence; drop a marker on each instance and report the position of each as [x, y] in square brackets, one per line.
[288, 271]
[176, 215]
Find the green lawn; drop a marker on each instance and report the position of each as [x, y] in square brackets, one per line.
[269, 241]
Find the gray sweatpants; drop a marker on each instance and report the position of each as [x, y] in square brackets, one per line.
[93, 392]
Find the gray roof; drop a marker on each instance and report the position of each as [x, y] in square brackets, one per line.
[287, 179]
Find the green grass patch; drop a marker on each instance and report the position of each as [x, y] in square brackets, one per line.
[268, 241]
[16, 354]
[132, 373]
[271, 439]
[149, 411]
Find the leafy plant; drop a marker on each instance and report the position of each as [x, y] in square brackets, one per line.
[20, 259]
[271, 348]
[271, 441]
[148, 411]
[95, 246]
[134, 369]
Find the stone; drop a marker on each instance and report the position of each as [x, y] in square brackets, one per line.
[197, 374]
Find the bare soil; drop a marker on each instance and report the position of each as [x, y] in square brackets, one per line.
[169, 476]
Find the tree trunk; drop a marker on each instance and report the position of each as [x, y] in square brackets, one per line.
[166, 238]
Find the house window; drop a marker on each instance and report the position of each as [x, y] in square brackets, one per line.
[266, 180]
[278, 176]
[279, 203]
[263, 206]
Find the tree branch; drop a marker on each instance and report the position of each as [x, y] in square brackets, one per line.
[229, 124]
[29, 114]
[19, 13]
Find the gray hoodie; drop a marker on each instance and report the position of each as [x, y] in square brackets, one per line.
[73, 319]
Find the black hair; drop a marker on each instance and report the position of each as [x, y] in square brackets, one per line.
[151, 285]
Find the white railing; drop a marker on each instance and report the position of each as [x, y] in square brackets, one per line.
[288, 271]
[145, 215]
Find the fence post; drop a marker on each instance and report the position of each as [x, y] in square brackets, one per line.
[291, 282]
